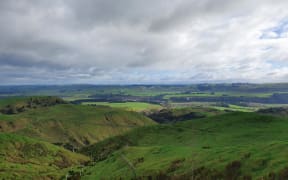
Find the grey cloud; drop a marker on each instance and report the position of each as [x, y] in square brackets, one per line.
[191, 10]
[28, 62]
[94, 41]
[111, 12]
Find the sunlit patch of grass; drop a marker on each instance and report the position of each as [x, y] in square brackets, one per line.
[131, 106]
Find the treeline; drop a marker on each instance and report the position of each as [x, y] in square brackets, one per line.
[167, 116]
[121, 98]
[31, 103]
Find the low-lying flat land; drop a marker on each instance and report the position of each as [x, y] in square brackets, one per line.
[131, 106]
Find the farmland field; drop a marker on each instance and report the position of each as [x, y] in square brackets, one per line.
[132, 106]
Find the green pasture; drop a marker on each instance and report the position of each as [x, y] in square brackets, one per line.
[131, 106]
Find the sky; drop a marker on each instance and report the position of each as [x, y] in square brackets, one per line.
[143, 41]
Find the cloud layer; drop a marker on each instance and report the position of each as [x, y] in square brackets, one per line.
[136, 41]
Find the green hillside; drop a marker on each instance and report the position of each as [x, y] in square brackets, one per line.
[122, 144]
[229, 146]
[26, 158]
[72, 124]
[34, 130]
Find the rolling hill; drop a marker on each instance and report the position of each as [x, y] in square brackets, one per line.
[72, 125]
[111, 143]
[27, 158]
[39, 136]
[229, 146]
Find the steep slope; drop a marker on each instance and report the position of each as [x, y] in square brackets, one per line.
[72, 125]
[29, 126]
[228, 146]
[26, 158]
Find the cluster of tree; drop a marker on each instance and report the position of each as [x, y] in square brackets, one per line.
[12, 109]
[31, 103]
[275, 111]
[121, 98]
[167, 116]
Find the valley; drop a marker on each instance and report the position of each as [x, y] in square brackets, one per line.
[123, 133]
[143, 90]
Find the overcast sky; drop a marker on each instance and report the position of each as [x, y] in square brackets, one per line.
[143, 41]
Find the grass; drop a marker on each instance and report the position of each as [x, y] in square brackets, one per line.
[252, 107]
[232, 107]
[11, 101]
[74, 124]
[26, 149]
[196, 94]
[131, 106]
[26, 158]
[217, 94]
[243, 144]
[256, 143]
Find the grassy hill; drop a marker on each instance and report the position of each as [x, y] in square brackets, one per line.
[124, 144]
[229, 146]
[73, 124]
[34, 130]
[26, 158]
